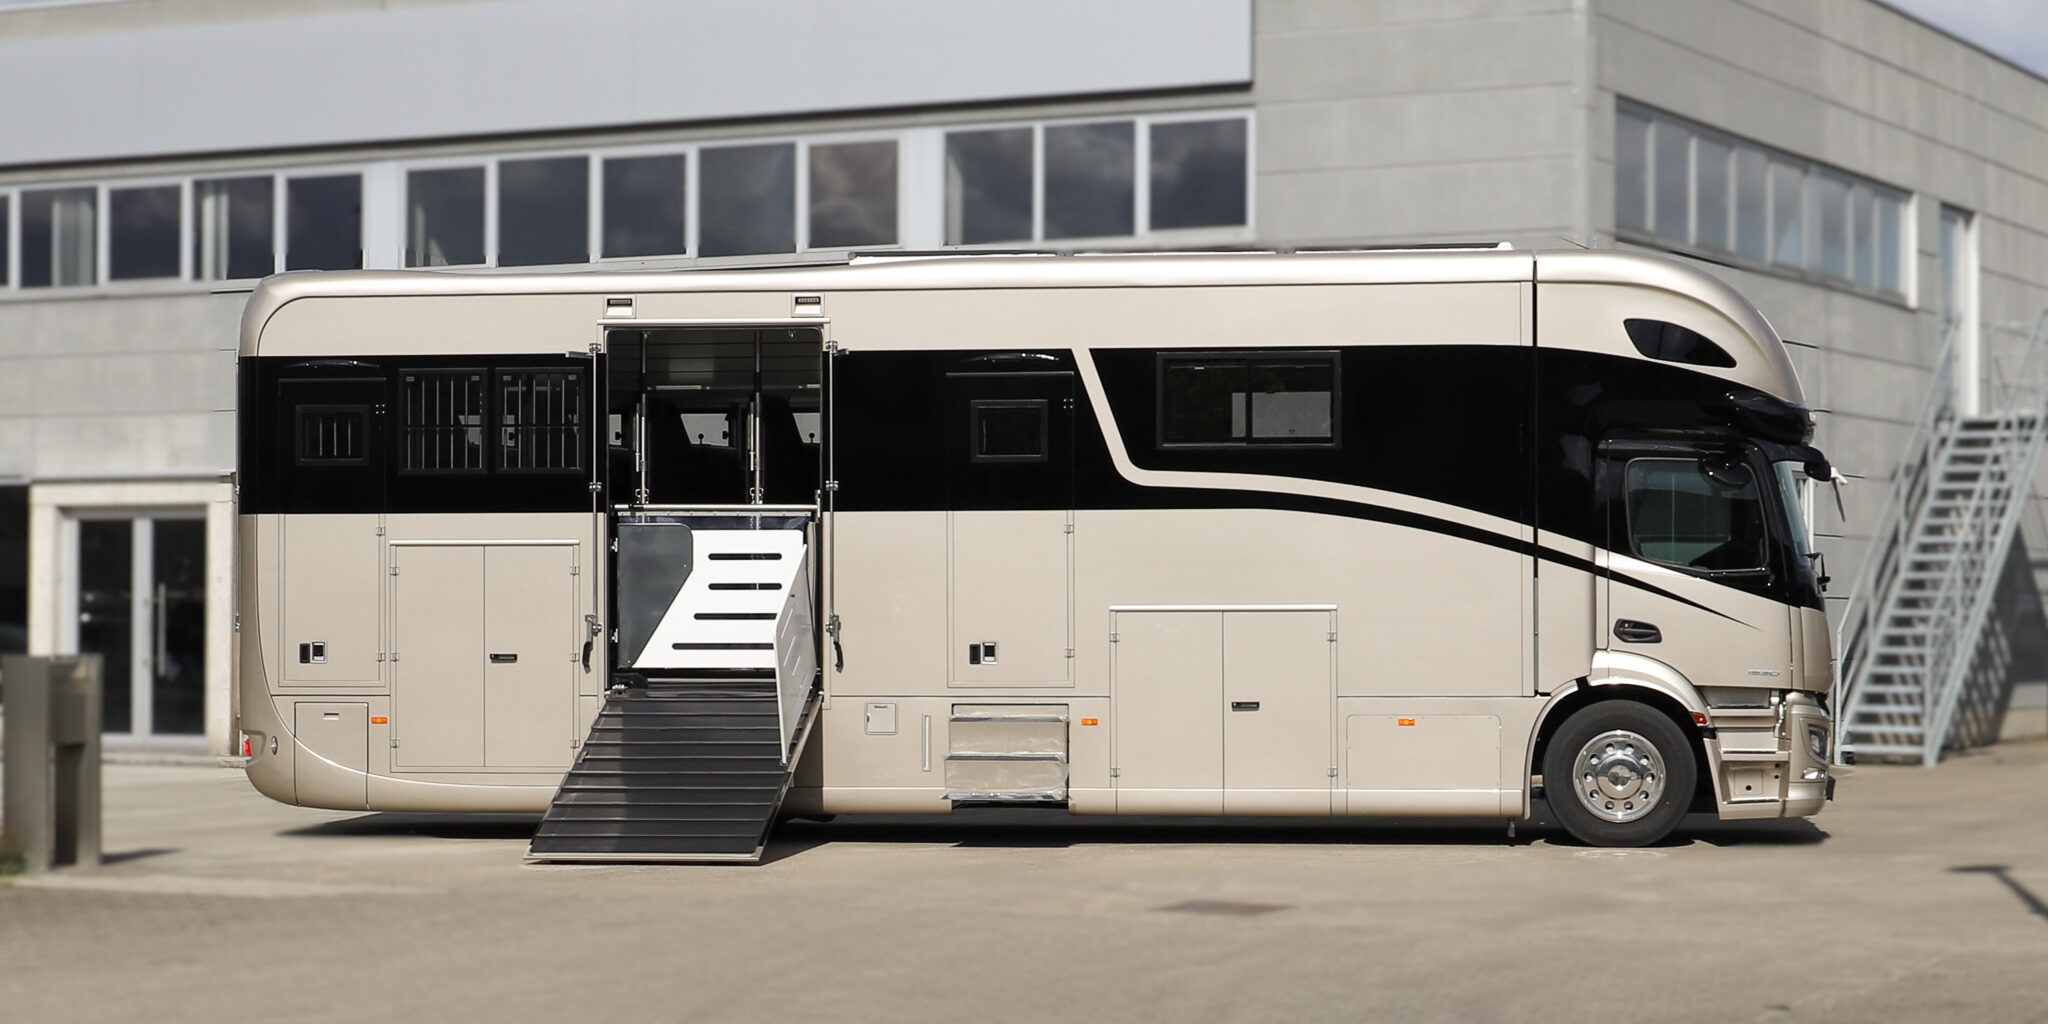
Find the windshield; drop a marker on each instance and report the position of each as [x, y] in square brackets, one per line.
[1792, 493]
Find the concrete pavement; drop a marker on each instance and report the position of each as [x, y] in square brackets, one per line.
[1918, 896]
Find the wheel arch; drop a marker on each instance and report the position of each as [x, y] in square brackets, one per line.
[1620, 676]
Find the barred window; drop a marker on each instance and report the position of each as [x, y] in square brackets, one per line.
[443, 426]
[540, 420]
[333, 434]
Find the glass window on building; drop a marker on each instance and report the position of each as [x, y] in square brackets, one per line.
[747, 202]
[1632, 170]
[646, 201]
[444, 217]
[1089, 179]
[1671, 163]
[544, 211]
[988, 186]
[324, 222]
[1788, 214]
[1199, 173]
[59, 237]
[1752, 204]
[1712, 213]
[142, 232]
[232, 221]
[853, 194]
[1828, 224]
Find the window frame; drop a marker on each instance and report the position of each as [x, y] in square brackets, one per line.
[300, 460]
[974, 410]
[1249, 357]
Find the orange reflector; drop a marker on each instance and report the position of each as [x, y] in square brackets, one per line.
[380, 720]
[246, 752]
[1699, 718]
[1404, 721]
[1091, 721]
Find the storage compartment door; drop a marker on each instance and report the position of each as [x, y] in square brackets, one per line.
[1166, 729]
[1277, 712]
[332, 756]
[530, 650]
[437, 671]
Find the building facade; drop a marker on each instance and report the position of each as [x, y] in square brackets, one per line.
[1863, 177]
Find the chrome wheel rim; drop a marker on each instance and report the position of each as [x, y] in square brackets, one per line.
[1619, 776]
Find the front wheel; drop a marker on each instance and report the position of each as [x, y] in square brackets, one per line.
[1619, 773]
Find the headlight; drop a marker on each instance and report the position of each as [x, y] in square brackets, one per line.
[1817, 742]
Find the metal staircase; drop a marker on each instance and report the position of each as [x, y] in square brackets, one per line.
[1930, 576]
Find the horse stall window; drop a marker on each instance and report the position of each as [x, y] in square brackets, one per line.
[540, 420]
[333, 435]
[443, 425]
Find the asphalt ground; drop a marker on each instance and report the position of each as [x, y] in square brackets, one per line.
[1921, 894]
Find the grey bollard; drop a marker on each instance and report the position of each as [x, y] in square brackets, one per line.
[51, 809]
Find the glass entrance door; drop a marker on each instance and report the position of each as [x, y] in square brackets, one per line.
[141, 606]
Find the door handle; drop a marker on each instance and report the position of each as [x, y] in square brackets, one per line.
[1244, 705]
[1631, 631]
[504, 659]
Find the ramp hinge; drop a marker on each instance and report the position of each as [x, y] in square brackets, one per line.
[615, 544]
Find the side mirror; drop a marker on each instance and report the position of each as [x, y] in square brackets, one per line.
[1820, 570]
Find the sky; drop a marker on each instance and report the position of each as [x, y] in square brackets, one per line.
[2014, 29]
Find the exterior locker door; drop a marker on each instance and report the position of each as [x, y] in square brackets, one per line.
[437, 675]
[530, 654]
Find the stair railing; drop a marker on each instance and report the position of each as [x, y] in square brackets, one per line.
[1877, 581]
[2022, 430]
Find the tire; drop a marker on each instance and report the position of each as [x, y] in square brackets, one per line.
[1646, 787]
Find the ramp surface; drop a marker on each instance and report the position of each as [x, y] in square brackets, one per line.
[678, 771]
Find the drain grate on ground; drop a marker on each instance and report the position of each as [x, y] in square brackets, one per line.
[1227, 908]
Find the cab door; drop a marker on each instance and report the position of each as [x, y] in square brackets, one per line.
[1692, 571]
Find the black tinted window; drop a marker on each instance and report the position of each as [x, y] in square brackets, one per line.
[1009, 431]
[1231, 399]
[1674, 344]
[1678, 515]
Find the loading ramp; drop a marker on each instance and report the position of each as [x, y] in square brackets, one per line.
[692, 760]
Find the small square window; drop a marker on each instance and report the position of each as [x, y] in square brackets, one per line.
[333, 435]
[1009, 430]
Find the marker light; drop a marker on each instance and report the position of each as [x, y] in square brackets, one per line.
[380, 720]
[1091, 721]
[1699, 718]
[247, 751]
[273, 744]
[1404, 721]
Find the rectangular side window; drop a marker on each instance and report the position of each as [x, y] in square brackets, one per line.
[59, 237]
[1008, 430]
[1679, 516]
[231, 229]
[329, 435]
[324, 223]
[645, 205]
[1224, 399]
[540, 420]
[442, 424]
[444, 217]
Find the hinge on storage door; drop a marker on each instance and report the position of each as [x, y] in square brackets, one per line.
[575, 570]
[1333, 771]
[1112, 638]
[394, 570]
[831, 485]
[238, 623]
[1070, 528]
[1333, 636]
[1113, 772]
[394, 655]
[394, 743]
[1070, 652]
[595, 487]
[380, 655]
[380, 529]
